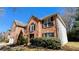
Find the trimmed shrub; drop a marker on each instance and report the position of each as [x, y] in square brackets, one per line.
[51, 43]
[36, 41]
[22, 40]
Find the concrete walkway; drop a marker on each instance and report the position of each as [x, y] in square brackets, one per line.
[3, 44]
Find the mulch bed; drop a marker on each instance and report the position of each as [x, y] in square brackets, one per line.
[25, 48]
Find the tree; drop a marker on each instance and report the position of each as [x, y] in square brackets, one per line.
[74, 33]
[69, 16]
[77, 14]
[77, 18]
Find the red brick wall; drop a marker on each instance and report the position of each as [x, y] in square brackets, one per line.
[39, 29]
[36, 28]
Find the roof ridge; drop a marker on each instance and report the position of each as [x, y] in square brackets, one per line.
[49, 15]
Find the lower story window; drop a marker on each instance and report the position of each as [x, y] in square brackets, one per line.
[48, 34]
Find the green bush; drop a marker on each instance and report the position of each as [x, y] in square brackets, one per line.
[51, 43]
[22, 40]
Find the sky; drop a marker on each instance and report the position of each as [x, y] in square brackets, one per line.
[23, 14]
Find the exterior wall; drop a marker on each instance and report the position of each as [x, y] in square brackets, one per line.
[52, 30]
[36, 28]
[39, 30]
[15, 31]
[13, 27]
[61, 32]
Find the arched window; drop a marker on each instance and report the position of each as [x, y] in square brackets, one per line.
[32, 27]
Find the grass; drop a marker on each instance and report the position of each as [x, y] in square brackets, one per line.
[71, 46]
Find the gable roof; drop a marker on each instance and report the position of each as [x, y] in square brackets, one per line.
[18, 23]
[34, 18]
[49, 16]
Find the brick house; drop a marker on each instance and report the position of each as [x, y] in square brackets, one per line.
[49, 26]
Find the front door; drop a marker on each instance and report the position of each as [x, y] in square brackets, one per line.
[31, 36]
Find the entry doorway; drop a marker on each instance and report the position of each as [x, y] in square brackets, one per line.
[31, 36]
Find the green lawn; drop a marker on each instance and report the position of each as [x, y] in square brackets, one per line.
[71, 46]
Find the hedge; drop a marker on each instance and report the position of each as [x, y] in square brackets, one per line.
[51, 43]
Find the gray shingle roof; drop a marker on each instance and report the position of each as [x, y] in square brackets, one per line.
[18, 23]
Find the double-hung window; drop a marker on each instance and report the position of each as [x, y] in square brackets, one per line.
[48, 34]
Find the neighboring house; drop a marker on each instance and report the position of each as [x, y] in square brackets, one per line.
[50, 26]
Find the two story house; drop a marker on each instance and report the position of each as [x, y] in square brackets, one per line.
[49, 26]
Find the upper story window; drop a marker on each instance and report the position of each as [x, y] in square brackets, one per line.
[48, 22]
[32, 27]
